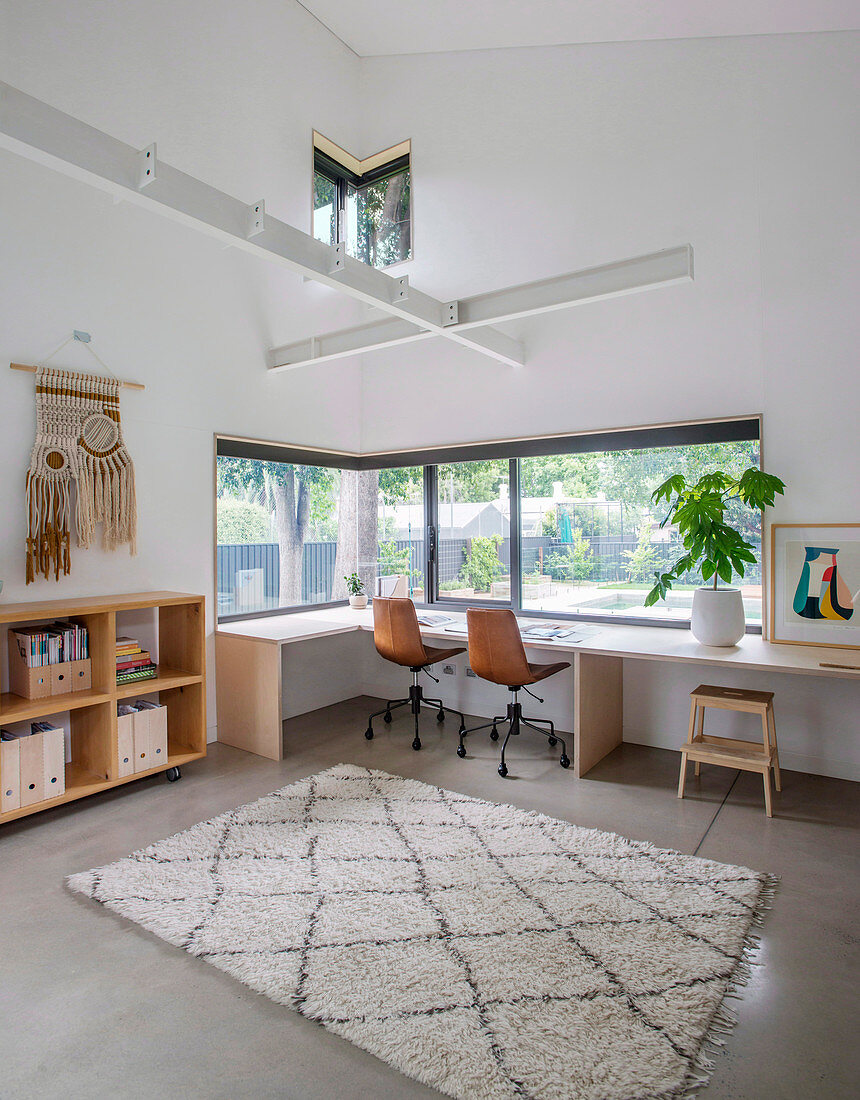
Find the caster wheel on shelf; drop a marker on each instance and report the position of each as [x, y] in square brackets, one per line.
[461, 751]
[440, 717]
[494, 734]
[368, 733]
[552, 742]
[416, 744]
[173, 774]
[503, 770]
[387, 717]
[565, 761]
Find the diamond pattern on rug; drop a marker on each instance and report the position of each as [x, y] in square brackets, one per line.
[488, 951]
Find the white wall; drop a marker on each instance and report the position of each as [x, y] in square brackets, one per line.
[533, 162]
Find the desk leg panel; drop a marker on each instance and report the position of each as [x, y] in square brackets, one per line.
[248, 691]
[598, 709]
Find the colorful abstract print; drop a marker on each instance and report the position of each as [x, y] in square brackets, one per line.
[834, 600]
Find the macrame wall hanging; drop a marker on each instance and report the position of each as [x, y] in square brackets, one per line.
[78, 440]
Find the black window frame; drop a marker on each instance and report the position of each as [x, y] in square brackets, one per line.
[736, 429]
[343, 178]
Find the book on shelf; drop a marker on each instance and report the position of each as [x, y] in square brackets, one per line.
[147, 672]
[132, 662]
[52, 644]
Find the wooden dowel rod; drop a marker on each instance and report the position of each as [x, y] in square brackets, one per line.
[32, 370]
[827, 664]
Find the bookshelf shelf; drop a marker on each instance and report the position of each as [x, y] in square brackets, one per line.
[13, 708]
[166, 678]
[180, 684]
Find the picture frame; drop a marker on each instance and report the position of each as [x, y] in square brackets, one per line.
[815, 584]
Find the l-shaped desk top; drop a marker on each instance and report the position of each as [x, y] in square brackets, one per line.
[650, 643]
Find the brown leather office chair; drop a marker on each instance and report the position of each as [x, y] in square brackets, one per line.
[398, 639]
[497, 654]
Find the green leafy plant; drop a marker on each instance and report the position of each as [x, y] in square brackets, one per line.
[482, 566]
[391, 560]
[354, 584]
[709, 541]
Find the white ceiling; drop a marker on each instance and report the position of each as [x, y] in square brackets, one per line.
[379, 27]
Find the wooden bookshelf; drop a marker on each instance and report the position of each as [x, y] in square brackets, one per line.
[180, 684]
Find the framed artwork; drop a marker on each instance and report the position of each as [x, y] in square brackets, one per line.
[815, 584]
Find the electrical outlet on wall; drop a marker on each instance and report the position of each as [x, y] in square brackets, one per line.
[469, 672]
[449, 670]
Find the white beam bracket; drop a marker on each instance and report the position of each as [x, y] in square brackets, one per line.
[256, 218]
[147, 162]
[401, 289]
[450, 313]
[337, 264]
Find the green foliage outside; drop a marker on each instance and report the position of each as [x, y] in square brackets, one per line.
[391, 561]
[710, 542]
[482, 565]
[454, 585]
[644, 560]
[576, 563]
[241, 522]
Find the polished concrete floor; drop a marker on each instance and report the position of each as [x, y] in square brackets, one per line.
[92, 1006]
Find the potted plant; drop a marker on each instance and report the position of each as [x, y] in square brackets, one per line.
[713, 545]
[355, 586]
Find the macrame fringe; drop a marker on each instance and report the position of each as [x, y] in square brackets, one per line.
[724, 1021]
[48, 516]
[106, 495]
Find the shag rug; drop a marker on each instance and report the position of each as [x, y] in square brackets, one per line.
[488, 951]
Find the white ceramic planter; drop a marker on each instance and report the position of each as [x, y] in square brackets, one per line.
[718, 616]
[358, 601]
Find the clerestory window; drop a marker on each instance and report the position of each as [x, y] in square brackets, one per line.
[366, 204]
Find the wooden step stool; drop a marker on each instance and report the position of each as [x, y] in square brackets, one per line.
[725, 751]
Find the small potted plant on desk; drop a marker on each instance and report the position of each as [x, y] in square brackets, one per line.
[714, 545]
[355, 587]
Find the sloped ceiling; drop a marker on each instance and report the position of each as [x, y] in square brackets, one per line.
[375, 28]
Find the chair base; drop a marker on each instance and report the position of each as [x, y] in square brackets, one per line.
[515, 720]
[414, 700]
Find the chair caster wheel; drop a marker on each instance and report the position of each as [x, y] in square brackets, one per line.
[503, 770]
[565, 761]
[494, 734]
[416, 744]
[387, 717]
[552, 742]
[368, 733]
[173, 774]
[461, 751]
[440, 717]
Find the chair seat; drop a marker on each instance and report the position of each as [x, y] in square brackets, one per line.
[434, 655]
[540, 672]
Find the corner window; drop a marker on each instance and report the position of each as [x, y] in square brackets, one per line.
[366, 204]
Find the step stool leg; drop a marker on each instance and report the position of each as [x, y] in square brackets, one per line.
[683, 778]
[700, 727]
[772, 721]
[768, 808]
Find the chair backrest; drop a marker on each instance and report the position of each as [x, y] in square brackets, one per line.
[496, 650]
[396, 632]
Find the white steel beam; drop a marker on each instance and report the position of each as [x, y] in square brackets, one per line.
[656, 269]
[41, 133]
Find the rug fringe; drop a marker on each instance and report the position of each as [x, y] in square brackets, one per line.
[724, 1020]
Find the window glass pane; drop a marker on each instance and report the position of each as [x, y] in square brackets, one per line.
[325, 209]
[591, 538]
[400, 529]
[284, 534]
[378, 221]
[474, 545]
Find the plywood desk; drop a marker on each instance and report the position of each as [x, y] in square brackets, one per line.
[249, 671]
